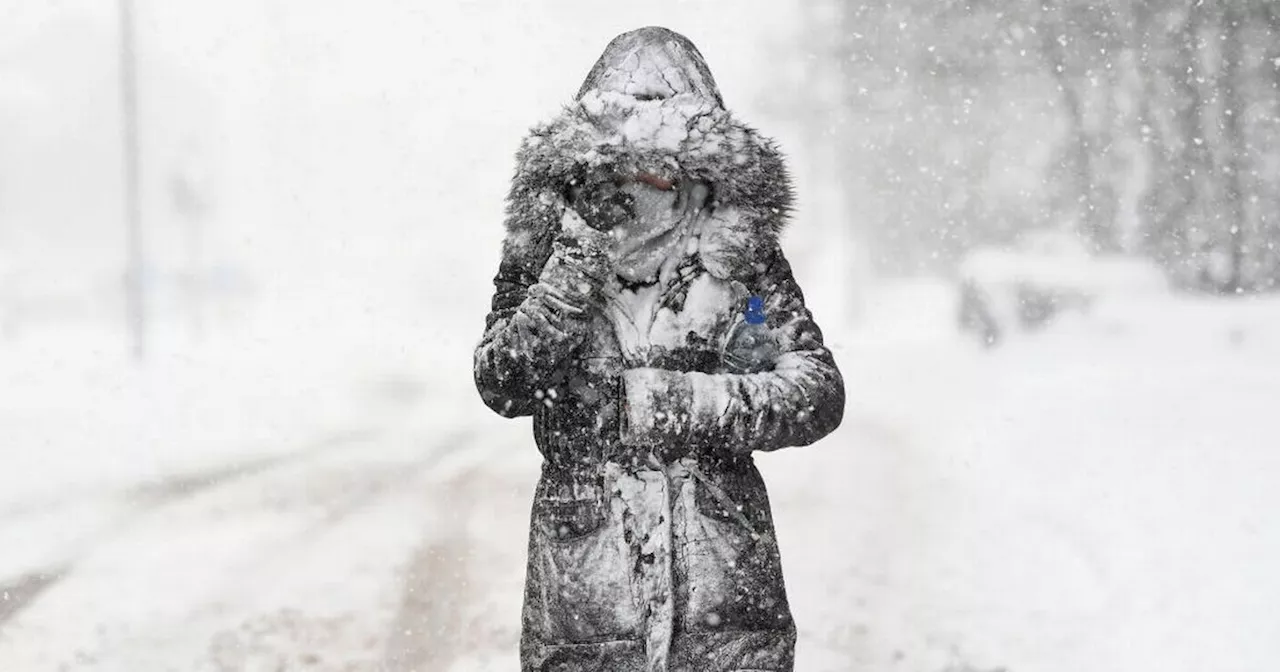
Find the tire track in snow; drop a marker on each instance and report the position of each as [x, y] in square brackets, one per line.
[323, 484]
[189, 484]
[462, 588]
[20, 592]
[428, 626]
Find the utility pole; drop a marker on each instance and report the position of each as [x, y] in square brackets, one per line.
[135, 303]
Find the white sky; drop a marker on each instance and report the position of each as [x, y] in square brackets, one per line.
[329, 134]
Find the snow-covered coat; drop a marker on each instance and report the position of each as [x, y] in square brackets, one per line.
[652, 543]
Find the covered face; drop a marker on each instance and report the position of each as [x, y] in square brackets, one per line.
[649, 89]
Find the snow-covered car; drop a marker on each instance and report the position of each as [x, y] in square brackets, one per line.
[1026, 286]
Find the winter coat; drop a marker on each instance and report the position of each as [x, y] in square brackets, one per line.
[652, 543]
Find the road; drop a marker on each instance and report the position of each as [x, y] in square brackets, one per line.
[1035, 509]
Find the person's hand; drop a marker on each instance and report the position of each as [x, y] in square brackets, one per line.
[574, 277]
[578, 238]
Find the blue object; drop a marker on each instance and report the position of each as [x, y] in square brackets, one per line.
[750, 347]
[755, 310]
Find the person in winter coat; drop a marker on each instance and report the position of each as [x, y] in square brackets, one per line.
[640, 222]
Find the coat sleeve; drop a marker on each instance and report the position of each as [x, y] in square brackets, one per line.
[800, 401]
[530, 329]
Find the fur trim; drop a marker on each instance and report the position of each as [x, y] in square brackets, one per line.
[750, 186]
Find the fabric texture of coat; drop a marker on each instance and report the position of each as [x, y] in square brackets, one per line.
[652, 542]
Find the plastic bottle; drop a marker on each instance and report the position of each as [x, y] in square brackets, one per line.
[751, 347]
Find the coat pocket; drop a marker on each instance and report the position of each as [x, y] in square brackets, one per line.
[569, 505]
[734, 497]
[582, 565]
[567, 521]
[734, 557]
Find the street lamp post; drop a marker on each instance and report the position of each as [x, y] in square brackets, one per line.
[135, 304]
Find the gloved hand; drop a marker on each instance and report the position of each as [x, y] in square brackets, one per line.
[574, 277]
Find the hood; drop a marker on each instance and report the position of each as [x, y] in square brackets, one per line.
[650, 104]
[652, 63]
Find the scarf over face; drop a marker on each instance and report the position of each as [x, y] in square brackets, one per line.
[650, 87]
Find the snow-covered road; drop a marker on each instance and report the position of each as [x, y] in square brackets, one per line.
[1093, 498]
[286, 561]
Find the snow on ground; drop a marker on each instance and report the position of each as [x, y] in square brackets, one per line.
[1093, 497]
[233, 509]
[318, 487]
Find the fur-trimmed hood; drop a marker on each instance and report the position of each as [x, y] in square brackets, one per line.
[650, 104]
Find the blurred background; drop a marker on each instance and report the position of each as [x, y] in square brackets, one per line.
[246, 250]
